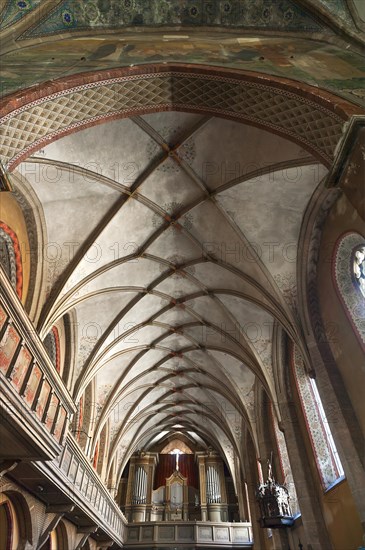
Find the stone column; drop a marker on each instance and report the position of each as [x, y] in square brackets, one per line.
[268, 449]
[150, 467]
[200, 457]
[128, 500]
[250, 465]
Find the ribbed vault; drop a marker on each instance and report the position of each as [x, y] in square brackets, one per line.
[171, 243]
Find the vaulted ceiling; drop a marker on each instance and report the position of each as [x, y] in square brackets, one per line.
[172, 237]
[185, 230]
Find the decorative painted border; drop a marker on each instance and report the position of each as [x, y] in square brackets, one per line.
[57, 346]
[12, 13]
[8, 347]
[326, 464]
[44, 114]
[96, 456]
[17, 280]
[283, 16]
[54, 341]
[344, 282]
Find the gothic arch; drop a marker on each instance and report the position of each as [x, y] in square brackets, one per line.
[25, 521]
[106, 95]
[37, 235]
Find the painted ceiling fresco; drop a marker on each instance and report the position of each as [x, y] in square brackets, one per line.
[86, 14]
[13, 11]
[314, 63]
[50, 40]
[80, 15]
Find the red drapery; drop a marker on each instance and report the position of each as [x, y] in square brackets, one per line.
[189, 469]
[167, 466]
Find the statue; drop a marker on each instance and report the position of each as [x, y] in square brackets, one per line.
[269, 471]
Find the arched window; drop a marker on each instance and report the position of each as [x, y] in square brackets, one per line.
[6, 526]
[327, 429]
[176, 445]
[10, 257]
[58, 539]
[323, 445]
[9, 524]
[349, 279]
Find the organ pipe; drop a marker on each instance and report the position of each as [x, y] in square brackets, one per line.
[213, 485]
[140, 486]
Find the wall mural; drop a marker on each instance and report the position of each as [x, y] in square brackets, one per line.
[326, 464]
[315, 63]
[14, 10]
[85, 14]
[82, 15]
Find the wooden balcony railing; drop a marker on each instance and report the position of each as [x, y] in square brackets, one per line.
[34, 402]
[73, 474]
[35, 409]
[192, 534]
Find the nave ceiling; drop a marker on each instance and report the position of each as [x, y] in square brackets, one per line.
[168, 239]
[171, 242]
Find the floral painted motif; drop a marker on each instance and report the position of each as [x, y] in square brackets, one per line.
[186, 152]
[10, 257]
[42, 400]
[321, 448]
[3, 317]
[59, 424]
[51, 412]
[82, 15]
[287, 285]
[32, 385]
[14, 10]
[52, 345]
[20, 368]
[103, 391]
[8, 346]
[264, 348]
